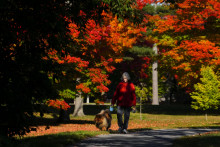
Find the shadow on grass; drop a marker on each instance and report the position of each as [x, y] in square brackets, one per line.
[169, 109]
[91, 110]
[130, 130]
[201, 127]
[88, 109]
[53, 122]
[54, 140]
[174, 109]
[202, 140]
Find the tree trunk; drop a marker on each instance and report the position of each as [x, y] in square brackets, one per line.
[206, 116]
[87, 99]
[155, 100]
[78, 109]
[140, 108]
[64, 116]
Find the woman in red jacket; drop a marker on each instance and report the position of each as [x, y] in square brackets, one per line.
[125, 98]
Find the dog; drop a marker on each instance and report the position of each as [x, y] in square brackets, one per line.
[103, 120]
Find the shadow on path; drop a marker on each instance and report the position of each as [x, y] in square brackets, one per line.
[149, 138]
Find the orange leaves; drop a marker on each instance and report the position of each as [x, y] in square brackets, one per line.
[98, 74]
[107, 64]
[102, 88]
[93, 32]
[205, 8]
[119, 33]
[189, 57]
[118, 60]
[202, 51]
[194, 13]
[181, 35]
[80, 63]
[191, 14]
[99, 78]
[53, 55]
[111, 35]
[98, 45]
[145, 64]
[194, 21]
[74, 30]
[82, 87]
[143, 3]
[58, 104]
[71, 127]
[195, 52]
[164, 24]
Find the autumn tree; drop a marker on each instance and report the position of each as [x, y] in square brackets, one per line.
[29, 30]
[36, 41]
[187, 39]
[101, 44]
[23, 74]
[144, 49]
[207, 92]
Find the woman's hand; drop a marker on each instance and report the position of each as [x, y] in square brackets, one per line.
[134, 109]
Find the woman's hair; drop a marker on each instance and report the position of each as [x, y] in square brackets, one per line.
[125, 74]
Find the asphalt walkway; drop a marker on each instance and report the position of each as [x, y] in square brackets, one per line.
[148, 138]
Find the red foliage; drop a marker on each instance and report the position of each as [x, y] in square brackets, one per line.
[82, 87]
[101, 43]
[144, 67]
[58, 104]
[191, 14]
[99, 102]
[143, 3]
[188, 39]
[93, 32]
[194, 14]
[98, 45]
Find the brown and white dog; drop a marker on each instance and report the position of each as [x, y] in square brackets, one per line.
[103, 120]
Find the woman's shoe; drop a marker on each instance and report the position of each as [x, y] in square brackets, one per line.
[125, 131]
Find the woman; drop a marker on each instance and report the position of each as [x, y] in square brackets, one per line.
[125, 98]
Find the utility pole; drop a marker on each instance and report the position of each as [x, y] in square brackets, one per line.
[155, 79]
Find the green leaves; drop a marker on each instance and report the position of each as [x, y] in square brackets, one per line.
[141, 51]
[123, 10]
[142, 93]
[67, 93]
[207, 93]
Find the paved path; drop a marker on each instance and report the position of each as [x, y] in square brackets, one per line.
[148, 138]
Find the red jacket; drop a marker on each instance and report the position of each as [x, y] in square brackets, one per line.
[125, 95]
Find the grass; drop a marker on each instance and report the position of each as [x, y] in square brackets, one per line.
[53, 140]
[155, 121]
[164, 117]
[163, 121]
[207, 140]
[153, 117]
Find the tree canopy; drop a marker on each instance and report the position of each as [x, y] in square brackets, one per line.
[47, 45]
[188, 39]
[52, 50]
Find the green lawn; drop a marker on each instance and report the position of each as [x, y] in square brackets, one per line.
[164, 116]
[207, 140]
[54, 140]
[154, 117]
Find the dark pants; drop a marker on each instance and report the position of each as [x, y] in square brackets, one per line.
[126, 111]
